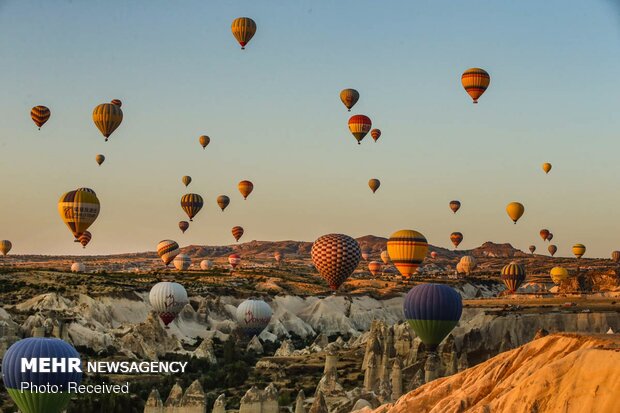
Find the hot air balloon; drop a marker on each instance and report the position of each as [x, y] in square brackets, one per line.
[5, 246]
[243, 28]
[532, 248]
[79, 209]
[475, 81]
[374, 267]
[468, 264]
[349, 97]
[335, 256]
[544, 234]
[456, 238]
[206, 265]
[455, 205]
[234, 260]
[204, 141]
[85, 238]
[246, 188]
[237, 232]
[167, 250]
[359, 125]
[546, 167]
[433, 254]
[550, 237]
[253, 316]
[365, 254]
[40, 115]
[223, 201]
[385, 257]
[552, 249]
[186, 180]
[579, 250]
[615, 256]
[558, 274]
[182, 262]
[99, 159]
[191, 204]
[374, 184]
[183, 226]
[107, 118]
[278, 256]
[432, 310]
[407, 249]
[18, 382]
[78, 267]
[116, 102]
[513, 276]
[168, 299]
[375, 134]
[515, 210]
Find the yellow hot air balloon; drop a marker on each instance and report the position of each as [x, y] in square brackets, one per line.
[243, 28]
[246, 188]
[475, 81]
[107, 118]
[515, 210]
[546, 167]
[374, 184]
[349, 97]
[204, 141]
[5, 246]
[407, 249]
[78, 210]
[558, 274]
[579, 250]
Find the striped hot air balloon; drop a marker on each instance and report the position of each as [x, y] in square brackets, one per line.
[186, 180]
[85, 238]
[5, 246]
[374, 184]
[455, 205]
[375, 134]
[558, 274]
[552, 249]
[168, 299]
[513, 276]
[237, 232]
[167, 250]
[615, 256]
[407, 249]
[116, 102]
[99, 159]
[79, 209]
[374, 267]
[515, 211]
[475, 81]
[385, 257]
[349, 97]
[468, 264]
[432, 310]
[234, 260]
[78, 267]
[579, 250]
[544, 234]
[204, 141]
[191, 204]
[206, 265]
[40, 115]
[335, 256]
[253, 316]
[107, 118]
[182, 262]
[359, 125]
[243, 28]
[456, 238]
[183, 226]
[245, 188]
[223, 201]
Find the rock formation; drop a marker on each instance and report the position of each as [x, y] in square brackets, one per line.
[255, 346]
[219, 406]
[299, 402]
[319, 405]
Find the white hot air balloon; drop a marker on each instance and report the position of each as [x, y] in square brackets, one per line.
[168, 299]
[206, 265]
[78, 267]
[182, 262]
[253, 316]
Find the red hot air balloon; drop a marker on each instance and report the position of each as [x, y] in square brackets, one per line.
[359, 125]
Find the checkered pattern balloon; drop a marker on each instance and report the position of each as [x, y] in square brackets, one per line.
[335, 256]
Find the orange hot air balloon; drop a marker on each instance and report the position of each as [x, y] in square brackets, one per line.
[374, 184]
[475, 81]
[359, 125]
[40, 115]
[544, 234]
[374, 267]
[243, 28]
[204, 141]
[515, 211]
[237, 232]
[546, 167]
[456, 238]
[552, 249]
[349, 97]
[183, 226]
[375, 134]
[246, 188]
[455, 205]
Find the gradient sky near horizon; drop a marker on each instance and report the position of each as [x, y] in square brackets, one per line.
[275, 118]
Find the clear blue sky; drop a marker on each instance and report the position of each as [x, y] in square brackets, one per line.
[274, 117]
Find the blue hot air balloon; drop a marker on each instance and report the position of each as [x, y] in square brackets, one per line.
[433, 310]
[55, 378]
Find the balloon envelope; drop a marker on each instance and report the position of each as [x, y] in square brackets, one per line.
[186, 180]
[374, 267]
[168, 299]
[532, 248]
[79, 209]
[407, 249]
[206, 265]
[99, 159]
[182, 262]
[204, 141]
[579, 250]
[558, 274]
[107, 118]
[374, 184]
[513, 276]
[375, 134]
[183, 226]
[78, 267]
[335, 256]
[475, 81]
[552, 249]
[359, 125]
[349, 97]
[243, 28]
[40, 115]
[237, 232]
[191, 204]
[167, 250]
[515, 211]
[455, 205]
[245, 188]
[385, 257]
[253, 316]
[5, 246]
[546, 167]
[223, 201]
[456, 238]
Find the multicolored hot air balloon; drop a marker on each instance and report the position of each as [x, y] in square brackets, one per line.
[253, 316]
[19, 382]
[245, 188]
[40, 115]
[183, 226]
[99, 159]
[79, 209]
[335, 256]
[223, 201]
[456, 238]
[168, 299]
[532, 248]
[374, 184]
[513, 276]
[186, 180]
[5, 246]
[475, 81]
[191, 204]
[407, 249]
[515, 211]
[78, 267]
[85, 238]
[182, 262]
[558, 274]
[359, 125]
[234, 260]
[544, 234]
[432, 310]
[375, 134]
[546, 167]
[204, 141]
[349, 97]
[107, 118]
[167, 250]
[374, 267]
[552, 249]
[615, 256]
[579, 250]
[243, 28]
[237, 232]
[455, 205]
[385, 257]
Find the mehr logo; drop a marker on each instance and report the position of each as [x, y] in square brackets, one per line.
[51, 365]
